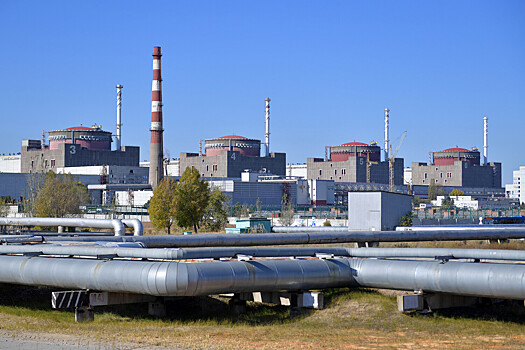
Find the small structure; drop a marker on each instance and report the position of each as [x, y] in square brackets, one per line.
[251, 225]
[376, 211]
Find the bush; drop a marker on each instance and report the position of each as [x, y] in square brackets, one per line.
[327, 223]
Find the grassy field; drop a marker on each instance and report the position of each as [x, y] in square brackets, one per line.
[353, 319]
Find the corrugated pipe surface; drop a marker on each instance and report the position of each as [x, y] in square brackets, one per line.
[191, 279]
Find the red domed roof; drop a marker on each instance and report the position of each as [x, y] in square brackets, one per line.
[355, 144]
[456, 149]
[233, 137]
[79, 128]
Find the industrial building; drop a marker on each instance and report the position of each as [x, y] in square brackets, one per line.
[354, 162]
[228, 156]
[517, 189]
[75, 147]
[457, 167]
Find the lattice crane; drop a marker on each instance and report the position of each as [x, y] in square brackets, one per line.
[391, 161]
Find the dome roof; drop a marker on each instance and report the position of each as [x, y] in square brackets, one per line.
[456, 149]
[79, 128]
[233, 137]
[355, 144]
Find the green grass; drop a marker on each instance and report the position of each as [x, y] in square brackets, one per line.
[362, 317]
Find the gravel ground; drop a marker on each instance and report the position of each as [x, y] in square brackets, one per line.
[10, 341]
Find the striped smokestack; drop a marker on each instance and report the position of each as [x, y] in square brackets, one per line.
[156, 157]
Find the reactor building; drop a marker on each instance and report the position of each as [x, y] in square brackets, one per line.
[354, 162]
[75, 147]
[229, 156]
[457, 167]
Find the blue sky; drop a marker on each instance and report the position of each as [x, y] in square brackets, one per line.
[330, 68]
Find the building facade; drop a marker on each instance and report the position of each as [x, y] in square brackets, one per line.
[516, 189]
[457, 167]
[75, 147]
[355, 162]
[229, 156]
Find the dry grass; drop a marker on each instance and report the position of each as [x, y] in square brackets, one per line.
[354, 319]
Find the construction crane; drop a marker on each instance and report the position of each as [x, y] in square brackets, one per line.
[391, 161]
[368, 163]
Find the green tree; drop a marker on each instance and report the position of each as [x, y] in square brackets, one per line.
[406, 220]
[216, 216]
[161, 206]
[191, 199]
[456, 192]
[447, 203]
[60, 195]
[435, 190]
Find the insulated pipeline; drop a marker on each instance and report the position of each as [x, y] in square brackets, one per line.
[193, 279]
[229, 240]
[232, 252]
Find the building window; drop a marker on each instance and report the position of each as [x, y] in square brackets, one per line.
[343, 171]
[441, 175]
[331, 165]
[207, 168]
[53, 163]
[331, 178]
[45, 163]
[425, 175]
[436, 180]
[335, 171]
[436, 169]
[215, 166]
[320, 172]
[449, 175]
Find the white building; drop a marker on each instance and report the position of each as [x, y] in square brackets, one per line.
[296, 170]
[10, 164]
[515, 190]
[459, 202]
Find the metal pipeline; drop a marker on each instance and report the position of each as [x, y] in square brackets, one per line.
[216, 253]
[115, 224]
[229, 240]
[192, 279]
[284, 229]
[136, 224]
[173, 278]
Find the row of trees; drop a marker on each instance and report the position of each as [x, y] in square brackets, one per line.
[190, 203]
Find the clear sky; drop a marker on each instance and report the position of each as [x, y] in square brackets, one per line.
[330, 68]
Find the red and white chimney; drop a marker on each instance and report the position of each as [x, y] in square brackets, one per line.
[156, 146]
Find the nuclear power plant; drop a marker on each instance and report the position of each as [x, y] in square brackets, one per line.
[244, 167]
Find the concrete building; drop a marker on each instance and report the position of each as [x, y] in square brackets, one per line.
[457, 167]
[352, 162]
[75, 147]
[517, 189]
[229, 156]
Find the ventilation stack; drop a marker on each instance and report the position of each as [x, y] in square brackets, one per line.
[118, 138]
[485, 140]
[156, 156]
[267, 126]
[386, 133]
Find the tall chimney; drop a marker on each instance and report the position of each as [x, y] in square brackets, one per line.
[118, 138]
[267, 125]
[485, 140]
[386, 134]
[156, 156]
